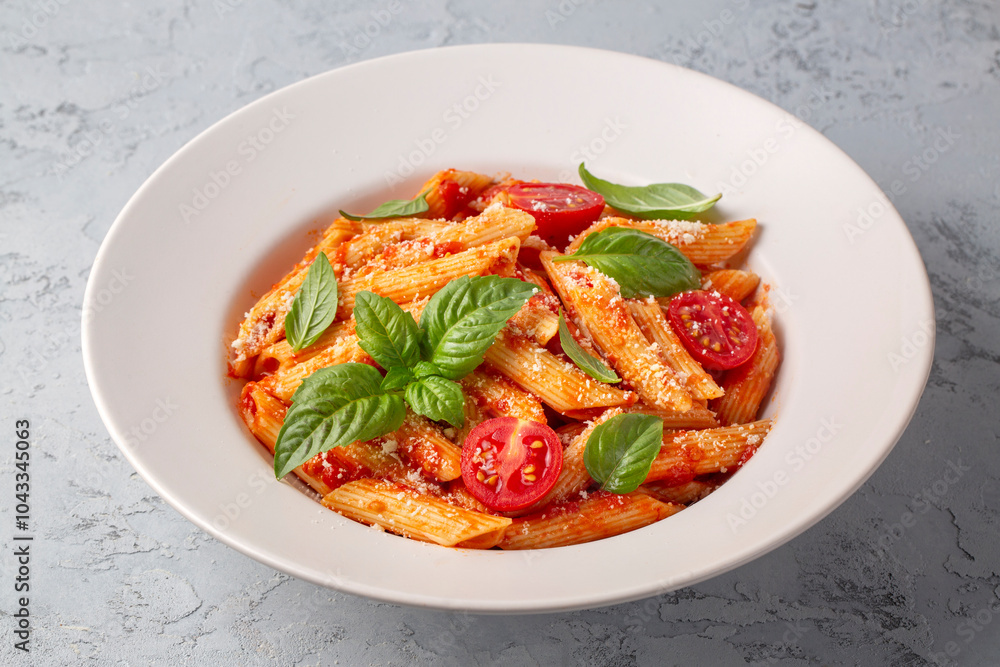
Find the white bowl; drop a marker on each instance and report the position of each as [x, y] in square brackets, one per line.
[229, 213]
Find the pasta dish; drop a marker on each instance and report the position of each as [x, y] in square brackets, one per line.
[499, 363]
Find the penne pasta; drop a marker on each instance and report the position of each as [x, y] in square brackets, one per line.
[283, 383]
[657, 330]
[702, 244]
[280, 356]
[405, 511]
[377, 238]
[263, 414]
[265, 323]
[684, 494]
[403, 285]
[449, 185]
[502, 398]
[423, 446]
[474, 416]
[594, 517]
[459, 494]
[747, 385]
[559, 384]
[735, 284]
[532, 276]
[538, 319]
[685, 454]
[574, 477]
[601, 313]
[697, 417]
[492, 225]
[567, 432]
[373, 459]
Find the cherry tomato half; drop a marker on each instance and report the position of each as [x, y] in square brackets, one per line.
[717, 331]
[509, 463]
[559, 209]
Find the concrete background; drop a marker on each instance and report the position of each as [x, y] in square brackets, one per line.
[95, 95]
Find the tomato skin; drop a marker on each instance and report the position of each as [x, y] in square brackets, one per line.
[505, 467]
[560, 210]
[717, 331]
[487, 196]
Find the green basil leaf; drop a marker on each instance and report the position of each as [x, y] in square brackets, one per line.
[587, 363]
[620, 452]
[315, 305]
[642, 264]
[463, 318]
[437, 398]
[651, 202]
[396, 377]
[335, 406]
[395, 208]
[385, 331]
[425, 369]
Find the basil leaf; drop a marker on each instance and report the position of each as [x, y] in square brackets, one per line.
[642, 264]
[385, 331]
[437, 398]
[425, 368]
[620, 452]
[315, 305]
[396, 377]
[652, 202]
[335, 406]
[463, 318]
[587, 363]
[395, 208]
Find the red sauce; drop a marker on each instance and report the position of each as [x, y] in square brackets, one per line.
[446, 248]
[334, 474]
[678, 474]
[455, 197]
[529, 257]
[249, 405]
[746, 456]
[269, 366]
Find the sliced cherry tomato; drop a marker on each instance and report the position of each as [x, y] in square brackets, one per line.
[560, 210]
[717, 331]
[509, 463]
[489, 193]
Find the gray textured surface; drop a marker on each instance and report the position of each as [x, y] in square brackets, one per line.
[95, 95]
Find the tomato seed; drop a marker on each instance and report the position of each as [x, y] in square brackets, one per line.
[530, 478]
[528, 469]
[537, 444]
[480, 476]
[492, 480]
